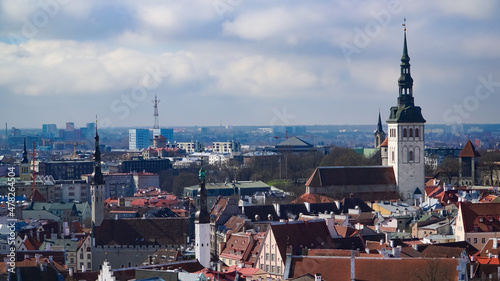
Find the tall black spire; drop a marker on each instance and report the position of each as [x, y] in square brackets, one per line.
[379, 133]
[97, 177]
[406, 111]
[405, 81]
[25, 154]
[202, 215]
[380, 129]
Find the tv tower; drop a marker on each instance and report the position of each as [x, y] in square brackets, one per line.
[157, 124]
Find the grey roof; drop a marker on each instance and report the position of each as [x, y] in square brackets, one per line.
[68, 244]
[294, 141]
[40, 214]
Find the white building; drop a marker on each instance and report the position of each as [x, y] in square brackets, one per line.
[190, 147]
[406, 136]
[231, 147]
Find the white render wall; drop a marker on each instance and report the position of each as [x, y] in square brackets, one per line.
[410, 173]
[202, 240]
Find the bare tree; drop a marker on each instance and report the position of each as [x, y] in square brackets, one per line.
[435, 271]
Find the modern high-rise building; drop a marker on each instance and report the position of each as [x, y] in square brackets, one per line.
[139, 138]
[70, 126]
[49, 130]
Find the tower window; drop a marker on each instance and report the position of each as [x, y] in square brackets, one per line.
[411, 132]
[404, 133]
[416, 133]
[410, 156]
[392, 156]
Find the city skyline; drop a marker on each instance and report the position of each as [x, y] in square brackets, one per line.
[244, 63]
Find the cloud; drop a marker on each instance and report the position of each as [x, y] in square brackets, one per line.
[263, 54]
[263, 77]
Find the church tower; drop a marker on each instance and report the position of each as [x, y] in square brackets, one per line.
[406, 135]
[97, 186]
[24, 166]
[202, 224]
[379, 133]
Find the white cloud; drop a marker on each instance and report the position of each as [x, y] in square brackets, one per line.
[263, 77]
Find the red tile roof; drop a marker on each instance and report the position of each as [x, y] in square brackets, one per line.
[313, 198]
[385, 143]
[481, 217]
[36, 196]
[375, 269]
[469, 150]
[344, 231]
[297, 234]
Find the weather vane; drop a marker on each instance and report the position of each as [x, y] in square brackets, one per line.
[404, 24]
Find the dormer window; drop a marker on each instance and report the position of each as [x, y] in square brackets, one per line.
[491, 219]
[481, 219]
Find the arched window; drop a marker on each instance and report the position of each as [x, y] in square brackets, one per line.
[404, 133]
[410, 156]
[411, 132]
[416, 133]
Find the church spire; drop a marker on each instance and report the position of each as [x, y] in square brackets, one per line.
[380, 129]
[379, 133]
[97, 177]
[405, 111]
[405, 81]
[25, 154]
[202, 215]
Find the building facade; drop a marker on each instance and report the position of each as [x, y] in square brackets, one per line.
[65, 170]
[138, 138]
[231, 147]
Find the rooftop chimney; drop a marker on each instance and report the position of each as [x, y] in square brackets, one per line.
[308, 207]
[353, 264]
[495, 243]
[277, 207]
[317, 277]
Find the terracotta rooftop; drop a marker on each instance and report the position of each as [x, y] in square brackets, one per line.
[469, 151]
[313, 198]
[297, 234]
[385, 143]
[481, 217]
[374, 269]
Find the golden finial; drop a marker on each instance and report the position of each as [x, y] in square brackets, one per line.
[404, 24]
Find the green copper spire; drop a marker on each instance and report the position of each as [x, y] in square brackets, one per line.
[405, 58]
[202, 215]
[405, 111]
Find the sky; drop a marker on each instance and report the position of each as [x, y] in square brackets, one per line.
[242, 62]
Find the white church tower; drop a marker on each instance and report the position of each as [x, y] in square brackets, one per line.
[406, 136]
[202, 224]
